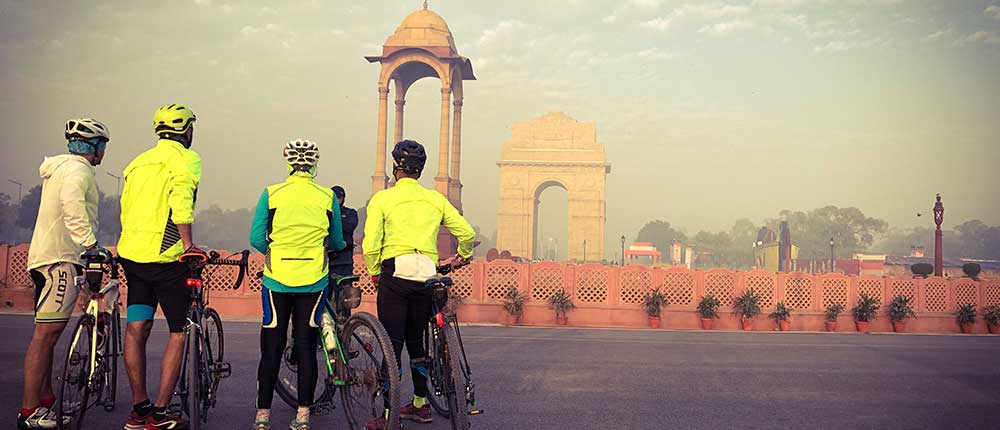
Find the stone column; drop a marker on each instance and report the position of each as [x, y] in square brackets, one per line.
[399, 119]
[379, 179]
[456, 156]
[441, 180]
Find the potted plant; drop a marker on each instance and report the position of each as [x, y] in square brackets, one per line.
[513, 303]
[966, 317]
[833, 311]
[560, 303]
[992, 316]
[865, 312]
[654, 303]
[781, 316]
[972, 270]
[922, 270]
[708, 309]
[900, 308]
[747, 307]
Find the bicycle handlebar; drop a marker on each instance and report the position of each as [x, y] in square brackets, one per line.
[213, 258]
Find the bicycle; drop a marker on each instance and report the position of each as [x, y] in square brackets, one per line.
[202, 365]
[366, 374]
[91, 365]
[449, 376]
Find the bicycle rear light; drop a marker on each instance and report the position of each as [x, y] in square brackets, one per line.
[194, 282]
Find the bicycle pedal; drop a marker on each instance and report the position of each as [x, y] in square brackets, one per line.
[322, 409]
[224, 370]
[476, 412]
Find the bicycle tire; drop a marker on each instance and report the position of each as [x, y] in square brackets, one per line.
[216, 344]
[456, 379]
[368, 384]
[75, 381]
[193, 380]
[112, 324]
[439, 404]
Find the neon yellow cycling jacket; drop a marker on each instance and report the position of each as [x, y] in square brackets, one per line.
[406, 218]
[160, 189]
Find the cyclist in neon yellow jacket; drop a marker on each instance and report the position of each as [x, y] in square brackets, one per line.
[400, 248]
[157, 213]
[296, 224]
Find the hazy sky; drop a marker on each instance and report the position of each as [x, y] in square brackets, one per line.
[708, 111]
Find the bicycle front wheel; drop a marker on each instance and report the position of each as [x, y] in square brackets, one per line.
[75, 387]
[373, 373]
[456, 379]
[287, 386]
[112, 344]
[214, 336]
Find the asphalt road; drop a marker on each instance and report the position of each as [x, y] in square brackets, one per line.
[549, 378]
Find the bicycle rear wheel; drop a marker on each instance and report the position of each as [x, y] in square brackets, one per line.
[438, 403]
[193, 379]
[288, 377]
[455, 378]
[373, 376]
[112, 343]
[75, 387]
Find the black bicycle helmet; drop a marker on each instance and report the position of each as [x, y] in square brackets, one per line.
[409, 156]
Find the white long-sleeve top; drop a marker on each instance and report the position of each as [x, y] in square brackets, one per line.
[67, 214]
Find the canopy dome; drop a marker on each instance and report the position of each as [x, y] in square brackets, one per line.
[423, 29]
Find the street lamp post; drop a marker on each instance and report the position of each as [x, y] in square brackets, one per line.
[19, 187]
[938, 219]
[118, 183]
[623, 250]
[831, 255]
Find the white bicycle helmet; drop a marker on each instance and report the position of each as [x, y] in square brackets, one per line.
[86, 128]
[301, 154]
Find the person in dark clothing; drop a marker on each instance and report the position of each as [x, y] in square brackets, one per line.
[342, 262]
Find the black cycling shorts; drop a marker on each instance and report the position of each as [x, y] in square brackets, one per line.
[163, 284]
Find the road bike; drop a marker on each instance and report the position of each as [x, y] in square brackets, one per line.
[90, 371]
[451, 391]
[361, 363]
[202, 364]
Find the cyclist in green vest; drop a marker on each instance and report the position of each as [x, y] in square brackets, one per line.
[296, 224]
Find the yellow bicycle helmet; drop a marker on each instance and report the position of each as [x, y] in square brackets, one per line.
[173, 119]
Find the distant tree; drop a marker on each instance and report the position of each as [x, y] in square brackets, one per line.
[743, 234]
[109, 221]
[10, 232]
[811, 231]
[223, 229]
[718, 249]
[27, 210]
[661, 235]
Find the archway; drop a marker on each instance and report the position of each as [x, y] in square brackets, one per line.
[553, 149]
[550, 230]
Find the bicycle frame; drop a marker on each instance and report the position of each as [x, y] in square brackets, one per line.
[93, 310]
[439, 318]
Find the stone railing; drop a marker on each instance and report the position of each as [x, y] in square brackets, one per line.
[611, 296]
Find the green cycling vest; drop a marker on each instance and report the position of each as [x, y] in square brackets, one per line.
[298, 227]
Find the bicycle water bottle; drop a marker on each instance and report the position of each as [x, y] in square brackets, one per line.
[327, 332]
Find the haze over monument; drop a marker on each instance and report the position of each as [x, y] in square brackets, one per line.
[708, 111]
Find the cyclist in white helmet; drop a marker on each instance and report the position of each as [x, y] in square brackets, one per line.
[65, 228]
[297, 222]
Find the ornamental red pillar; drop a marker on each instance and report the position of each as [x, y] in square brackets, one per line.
[938, 219]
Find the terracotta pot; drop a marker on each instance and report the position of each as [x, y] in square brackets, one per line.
[899, 327]
[994, 329]
[561, 320]
[654, 322]
[831, 326]
[862, 326]
[747, 324]
[784, 325]
[967, 328]
[707, 323]
[513, 319]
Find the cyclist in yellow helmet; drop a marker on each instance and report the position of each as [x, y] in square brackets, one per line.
[157, 212]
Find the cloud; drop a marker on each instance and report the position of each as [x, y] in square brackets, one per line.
[992, 11]
[939, 34]
[797, 21]
[657, 24]
[987, 37]
[728, 27]
[610, 19]
[503, 29]
[779, 4]
[646, 4]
